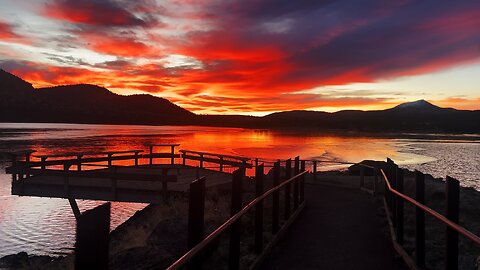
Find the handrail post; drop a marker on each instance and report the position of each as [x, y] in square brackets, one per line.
[42, 160]
[183, 158]
[259, 209]
[392, 197]
[275, 198]
[136, 158]
[221, 164]
[109, 155]
[172, 159]
[201, 160]
[452, 213]
[302, 180]
[288, 175]
[66, 180]
[399, 207]
[314, 171]
[234, 245]
[420, 219]
[295, 183]
[196, 217]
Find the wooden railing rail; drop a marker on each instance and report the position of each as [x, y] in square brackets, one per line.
[222, 160]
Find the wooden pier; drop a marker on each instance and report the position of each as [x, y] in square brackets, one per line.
[138, 177]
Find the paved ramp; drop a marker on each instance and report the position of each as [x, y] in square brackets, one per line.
[338, 229]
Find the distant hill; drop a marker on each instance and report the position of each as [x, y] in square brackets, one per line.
[417, 116]
[84, 103]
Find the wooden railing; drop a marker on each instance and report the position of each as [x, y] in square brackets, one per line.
[198, 242]
[220, 159]
[394, 198]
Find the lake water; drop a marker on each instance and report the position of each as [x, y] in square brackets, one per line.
[45, 226]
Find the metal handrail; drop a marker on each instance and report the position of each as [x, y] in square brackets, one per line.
[432, 212]
[182, 261]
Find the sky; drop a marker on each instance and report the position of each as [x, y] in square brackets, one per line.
[251, 56]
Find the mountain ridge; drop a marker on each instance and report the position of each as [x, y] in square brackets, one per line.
[87, 103]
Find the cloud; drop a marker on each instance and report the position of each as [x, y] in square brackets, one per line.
[92, 12]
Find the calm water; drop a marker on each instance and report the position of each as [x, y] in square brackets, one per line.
[46, 226]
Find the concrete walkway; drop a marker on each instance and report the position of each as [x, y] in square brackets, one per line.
[338, 229]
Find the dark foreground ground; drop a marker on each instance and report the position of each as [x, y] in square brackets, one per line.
[338, 229]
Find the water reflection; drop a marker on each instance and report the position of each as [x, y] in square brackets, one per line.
[46, 226]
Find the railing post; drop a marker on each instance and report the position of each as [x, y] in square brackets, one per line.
[420, 219]
[452, 213]
[109, 160]
[196, 217]
[256, 162]
[399, 207]
[114, 185]
[234, 256]
[275, 198]
[302, 180]
[172, 159]
[295, 183]
[221, 164]
[362, 176]
[259, 209]
[151, 154]
[314, 171]
[392, 197]
[288, 175]
[66, 180]
[201, 160]
[42, 160]
[136, 158]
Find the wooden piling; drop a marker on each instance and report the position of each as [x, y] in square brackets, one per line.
[234, 245]
[295, 184]
[259, 209]
[196, 212]
[302, 182]
[288, 192]
[275, 198]
[91, 247]
[399, 207]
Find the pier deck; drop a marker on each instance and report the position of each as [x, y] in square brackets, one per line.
[144, 183]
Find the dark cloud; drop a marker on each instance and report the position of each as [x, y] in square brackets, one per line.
[92, 12]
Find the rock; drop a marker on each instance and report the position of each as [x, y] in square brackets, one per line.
[15, 260]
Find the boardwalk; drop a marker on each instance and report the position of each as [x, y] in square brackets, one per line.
[338, 229]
